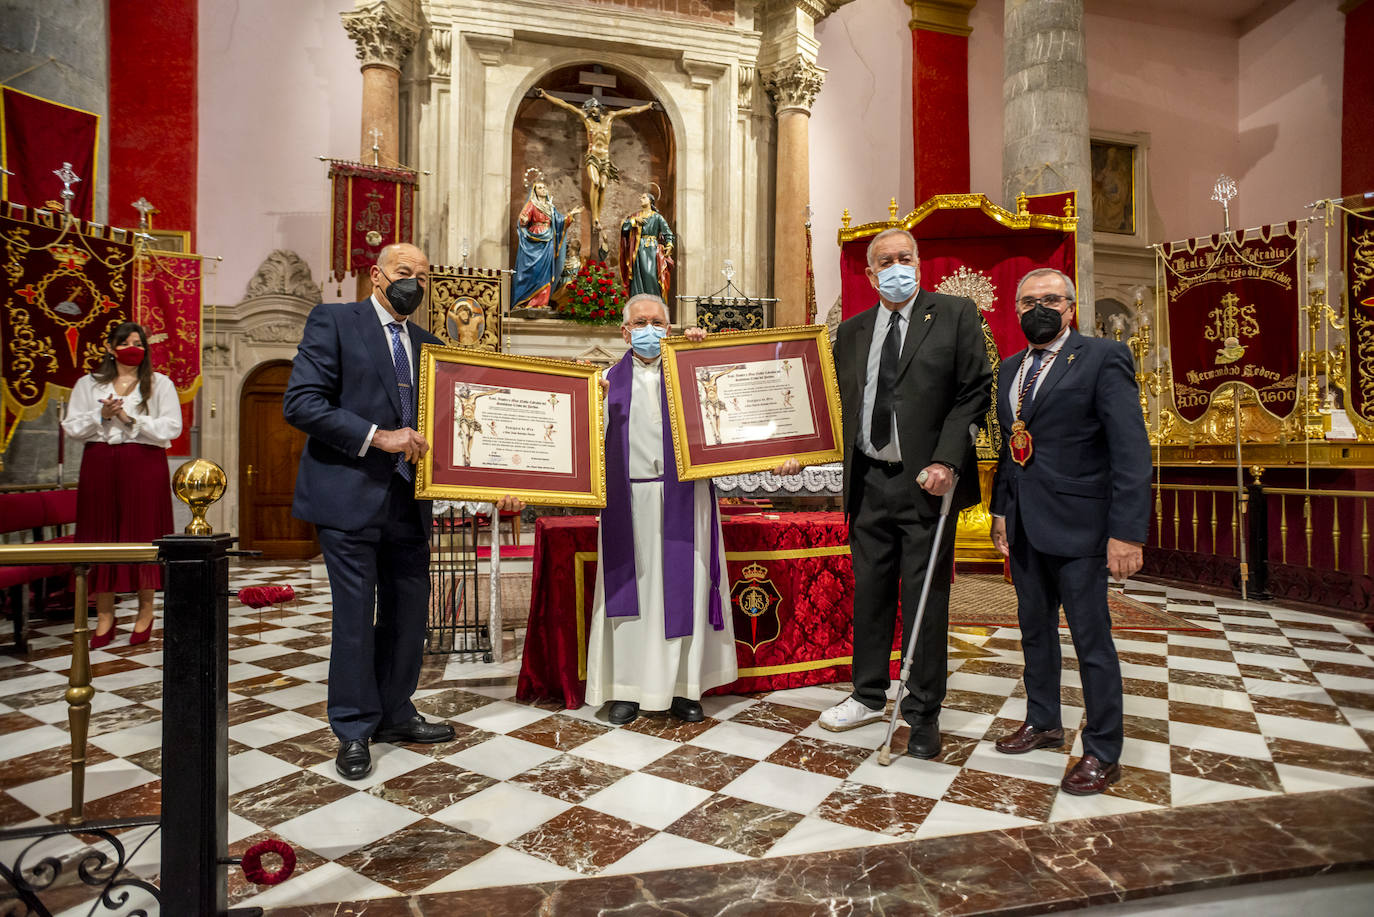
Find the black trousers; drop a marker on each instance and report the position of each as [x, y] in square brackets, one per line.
[379, 581]
[1043, 582]
[889, 541]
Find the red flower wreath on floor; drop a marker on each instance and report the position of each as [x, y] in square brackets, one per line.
[252, 862]
[262, 596]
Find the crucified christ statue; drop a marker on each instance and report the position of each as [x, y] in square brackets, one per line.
[597, 119]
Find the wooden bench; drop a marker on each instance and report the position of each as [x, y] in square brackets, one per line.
[28, 516]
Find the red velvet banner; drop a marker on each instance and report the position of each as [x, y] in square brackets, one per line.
[791, 593]
[1233, 304]
[1359, 278]
[39, 136]
[62, 291]
[167, 304]
[970, 247]
[371, 208]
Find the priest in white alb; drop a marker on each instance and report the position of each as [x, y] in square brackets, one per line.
[661, 633]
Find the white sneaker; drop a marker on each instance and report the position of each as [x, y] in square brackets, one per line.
[848, 714]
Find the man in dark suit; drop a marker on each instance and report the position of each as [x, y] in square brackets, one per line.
[353, 390]
[1071, 501]
[914, 383]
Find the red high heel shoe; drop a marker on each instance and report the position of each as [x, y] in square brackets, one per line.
[137, 636]
[99, 640]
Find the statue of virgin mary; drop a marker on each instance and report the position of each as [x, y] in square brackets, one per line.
[542, 244]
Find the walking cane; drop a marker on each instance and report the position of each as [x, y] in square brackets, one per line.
[885, 752]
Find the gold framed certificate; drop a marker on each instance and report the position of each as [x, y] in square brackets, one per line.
[749, 400]
[500, 425]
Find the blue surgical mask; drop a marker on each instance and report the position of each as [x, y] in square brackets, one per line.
[897, 282]
[646, 340]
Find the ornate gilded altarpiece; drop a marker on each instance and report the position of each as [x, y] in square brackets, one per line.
[467, 306]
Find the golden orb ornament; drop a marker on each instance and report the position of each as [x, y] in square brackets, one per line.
[198, 484]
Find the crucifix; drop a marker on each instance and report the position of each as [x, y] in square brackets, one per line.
[145, 212]
[598, 113]
[68, 178]
[1223, 192]
[376, 135]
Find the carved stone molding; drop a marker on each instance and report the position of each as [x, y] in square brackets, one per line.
[383, 36]
[794, 85]
[491, 49]
[440, 53]
[702, 72]
[284, 273]
[949, 16]
[276, 333]
[747, 73]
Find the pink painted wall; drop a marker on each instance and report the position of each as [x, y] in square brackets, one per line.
[279, 85]
[861, 152]
[1290, 112]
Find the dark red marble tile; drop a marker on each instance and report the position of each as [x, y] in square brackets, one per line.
[451, 702]
[23, 670]
[306, 643]
[145, 799]
[432, 788]
[1206, 680]
[778, 717]
[1143, 785]
[1321, 757]
[872, 809]
[995, 668]
[17, 721]
[560, 731]
[241, 711]
[1000, 793]
[240, 888]
[570, 778]
[416, 856]
[1360, 700]
[264, 684]
[1145, 687]
[1297, 709]
[12, 811]
[749, 828]
[141, 693]
[307, 750]
[973, 701]
[700, 767]
[663, 726]
[583, 840]
[287, 661]
[1217, 717]
[1203, 652]
[1341, 668]
[287, 797]
[50, 762]
[819, 756]
[1144, 728]
[1209, 765]
[1286, 675]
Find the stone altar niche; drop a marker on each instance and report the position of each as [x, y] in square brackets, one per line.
[464, 91]
[554, 141]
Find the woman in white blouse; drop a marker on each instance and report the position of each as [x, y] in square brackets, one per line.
[128, 415]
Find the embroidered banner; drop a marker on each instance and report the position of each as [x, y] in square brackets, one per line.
[167, 303]
[40, 135]
[1359, 296]
[62, 291]
[1233, 304]
[371, 207]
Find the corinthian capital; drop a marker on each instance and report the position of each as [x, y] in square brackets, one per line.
[383, 36]
[794, 84]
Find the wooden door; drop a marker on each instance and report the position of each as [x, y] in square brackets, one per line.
[269, 454]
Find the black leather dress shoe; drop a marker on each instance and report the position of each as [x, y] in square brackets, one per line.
[354, 761]
[689, 711]
[415, 730]
[925, 740]
[622, 712]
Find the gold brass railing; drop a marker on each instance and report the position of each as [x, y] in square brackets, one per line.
[1197, 489]
[79, 689]
[1361, 514]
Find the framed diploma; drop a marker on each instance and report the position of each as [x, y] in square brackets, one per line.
[501, 425]
[749, 400]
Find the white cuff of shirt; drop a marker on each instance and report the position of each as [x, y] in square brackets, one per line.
[367, 443]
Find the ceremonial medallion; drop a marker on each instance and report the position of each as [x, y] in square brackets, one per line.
[1020, 443]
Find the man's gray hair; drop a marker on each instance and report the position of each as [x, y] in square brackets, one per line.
[887, 234]
[642, 297]
[1042, 271]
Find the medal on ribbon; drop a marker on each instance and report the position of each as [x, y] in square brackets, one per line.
[1020, 443]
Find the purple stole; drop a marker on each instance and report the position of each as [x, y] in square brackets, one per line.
[679, 520]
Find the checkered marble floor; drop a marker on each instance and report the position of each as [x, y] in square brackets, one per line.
[1260, 701]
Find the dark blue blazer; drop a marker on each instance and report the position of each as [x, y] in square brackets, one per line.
[1089, 476]
[342, 382]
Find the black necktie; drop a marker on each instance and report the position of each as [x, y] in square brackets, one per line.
[880, 429]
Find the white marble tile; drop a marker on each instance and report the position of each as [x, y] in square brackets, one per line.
[814, 835]
[1124, 644]
[28, 741]
[1263, 687]
[906, 774]
[626, 749]
[1144, 672]
[782, 787]
[1333, 734]
[242, 671]
[1270, 661]
[129, 679]
[1210, 666]
[1153, 756]
[324, 884]
[302, 695]
[1308, 780]
[502, 757]
[1138, 705]
[1192, 791]
[281, 635]
[1068, 807]
[54, 794]
[648, 800]
[255, 652]
[1221, 741]
[739, 739]
[1346, 682]
[724, 706]
[983, 684]
[951, 818]
[1044, 765]
[501, 813]
[340, 827]
[817, 697]
[59, 710]
[312, 671]
[1359, 718]
[502, 716]
[869, 736]
[504, 866]
[966, 724]
[1242, 636]
[240, 827]
[1340, 658]
[26, 683]
[251, 768]
[668, 851]
[1210, 697]
[130, 741]
[1198, 640]
[268, 729]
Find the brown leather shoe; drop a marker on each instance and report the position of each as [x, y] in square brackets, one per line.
[1090, 776]
[1028, 738]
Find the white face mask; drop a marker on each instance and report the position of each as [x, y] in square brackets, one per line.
[897, 282]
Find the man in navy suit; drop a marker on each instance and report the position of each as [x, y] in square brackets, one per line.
[1071, 501]
[353, 390]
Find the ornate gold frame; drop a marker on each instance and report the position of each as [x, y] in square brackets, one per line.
[432, 355]
[690, 471]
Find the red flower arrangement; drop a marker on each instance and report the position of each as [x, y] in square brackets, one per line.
[594, 297]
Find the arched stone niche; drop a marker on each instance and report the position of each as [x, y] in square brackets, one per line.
[265, 325]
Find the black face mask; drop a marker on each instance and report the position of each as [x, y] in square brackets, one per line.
[405, 295]
[1041, 324]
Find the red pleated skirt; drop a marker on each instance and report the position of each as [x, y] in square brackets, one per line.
[124, 494]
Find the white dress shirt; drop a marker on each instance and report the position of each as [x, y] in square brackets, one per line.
[1051, 354]
[386, 318]
[892, 452]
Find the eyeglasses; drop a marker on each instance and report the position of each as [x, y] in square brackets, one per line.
[1050, 299]
[644, 323]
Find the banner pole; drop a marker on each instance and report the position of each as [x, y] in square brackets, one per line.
[1240, 501]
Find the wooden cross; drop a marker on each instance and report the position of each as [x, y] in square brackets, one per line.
[599, 81]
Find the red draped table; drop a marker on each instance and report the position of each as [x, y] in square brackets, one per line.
[791, 598]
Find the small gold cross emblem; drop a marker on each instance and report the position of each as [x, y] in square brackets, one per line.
[927, 316]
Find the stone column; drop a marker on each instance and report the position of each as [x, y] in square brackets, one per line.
[1045, 118]
[793, 86]
[384, 37]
